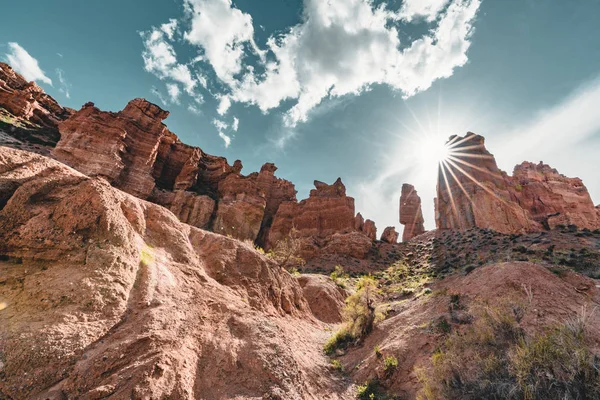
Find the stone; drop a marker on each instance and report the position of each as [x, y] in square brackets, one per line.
[411, 215]
[389, 235]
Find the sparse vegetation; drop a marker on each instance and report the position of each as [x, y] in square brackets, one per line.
[495, 359]
[337, 365]
[286, 252]
[359, 316]
[390, 363]
[339, 276]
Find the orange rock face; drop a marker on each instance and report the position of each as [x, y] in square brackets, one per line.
[411, 215]
[27, 101]
[390, 235]
[553, 199]
[473, 192]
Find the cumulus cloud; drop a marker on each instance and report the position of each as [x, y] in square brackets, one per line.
[25, 64]
[65, 86]
[235, 125]
[223, 31]
[340, 48]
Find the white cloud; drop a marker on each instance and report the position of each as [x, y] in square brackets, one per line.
[194, 109]
[224, 104]
[235, 125]
[25, 64]
[428, 9]
[160, 96]
[65, 86]
[225, 138]
[222, 31]
[221, 127]
[169, 28]
[160, 59]
[342, 47]
[174, 92]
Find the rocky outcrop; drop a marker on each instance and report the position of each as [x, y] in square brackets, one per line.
[367, 227]
[193, 209]
[27, 101]
[105, 295]
[390, 235]
[411, 215]
[327, 211]
[553, 199]
[473, 192]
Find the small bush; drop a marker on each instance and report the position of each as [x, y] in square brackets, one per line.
[377, 350]
[286, 252]
[337, 365]
[390, 363]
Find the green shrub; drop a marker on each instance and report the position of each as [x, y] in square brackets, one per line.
[359, 316]
[337, 365]
[390, 363]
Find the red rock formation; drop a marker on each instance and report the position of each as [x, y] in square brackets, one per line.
[473, 191]
[370, 230]
[121, 147]
[327, 211]
[553, 199]
[411, 215]
[189, 207]
[390, 235]
[366, 227]
[113, 297]
[27, 101]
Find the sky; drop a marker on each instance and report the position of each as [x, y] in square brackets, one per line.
[357, 89]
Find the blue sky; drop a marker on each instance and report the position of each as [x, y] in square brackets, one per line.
[352, 88]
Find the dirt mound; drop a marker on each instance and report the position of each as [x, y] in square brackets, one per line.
[108, 296]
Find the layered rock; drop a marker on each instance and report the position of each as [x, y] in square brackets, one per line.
[411, 215]
[27, 101]
[553, 199]
[108, 296]
[390, 235]
[473, 192]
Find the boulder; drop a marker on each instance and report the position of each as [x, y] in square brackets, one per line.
[390, 235]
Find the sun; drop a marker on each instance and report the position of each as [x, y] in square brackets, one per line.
[432, 150]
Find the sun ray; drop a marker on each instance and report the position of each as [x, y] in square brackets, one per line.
[458, 182]
[463, 140]
[470, 165]
[471, 155]
[454, 211]
[488, 190]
